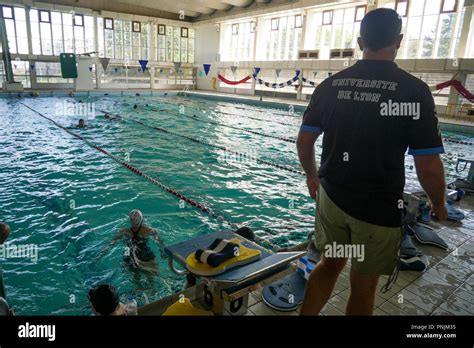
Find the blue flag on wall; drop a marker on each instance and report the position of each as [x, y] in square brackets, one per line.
[143, 64]
[207, 67]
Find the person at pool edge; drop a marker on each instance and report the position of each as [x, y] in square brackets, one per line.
[359, 187]
[105, 301]
[138, 255]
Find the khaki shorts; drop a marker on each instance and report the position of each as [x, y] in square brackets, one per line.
[372, 249]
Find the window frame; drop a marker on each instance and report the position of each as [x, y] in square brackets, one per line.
[105, 23]
[235, 29]
[331, 12]
[253, 27]
[11, 9]
[74, 24]
[456, 5]
[158, 29]
[398, 2]
[296, 21]
[139, 27]
[356, 9]
[40, 19]
[277, 21]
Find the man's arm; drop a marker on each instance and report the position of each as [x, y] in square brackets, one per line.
[430, 171]
[305, 145]
[426, 146]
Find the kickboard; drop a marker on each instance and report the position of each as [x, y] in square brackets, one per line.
[246, 256]
[287, 294]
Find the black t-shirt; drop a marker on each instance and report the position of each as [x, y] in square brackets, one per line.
[370, 114]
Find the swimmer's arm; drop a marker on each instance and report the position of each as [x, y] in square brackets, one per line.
[156, 236]
[112, 243]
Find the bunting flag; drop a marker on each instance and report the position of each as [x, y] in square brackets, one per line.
[32, 66]
[278, 85]
[207, 68]
[458, 86]
[104, 62]
[233, 68]
[233, 83]
[143, 63]
[257, 71]
[305, 80]
[201, 74]
[90, 69]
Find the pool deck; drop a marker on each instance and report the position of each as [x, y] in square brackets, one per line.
[445, 288]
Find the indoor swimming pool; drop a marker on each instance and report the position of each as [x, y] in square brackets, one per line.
[236, 160]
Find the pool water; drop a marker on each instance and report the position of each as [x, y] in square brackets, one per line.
[70, 199]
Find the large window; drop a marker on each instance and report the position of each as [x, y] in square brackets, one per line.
[15, 23]
[432, 28]
[237, 41]
[337, 30]
[57, 32]
[174, 44]
[279, 38]
[123, 39]
[47, 72]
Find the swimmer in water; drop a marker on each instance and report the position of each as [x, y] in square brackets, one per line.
[138, 254]
[81, 124]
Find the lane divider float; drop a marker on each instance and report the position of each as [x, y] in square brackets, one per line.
[219, 147]
[227, 113]
[288, 140]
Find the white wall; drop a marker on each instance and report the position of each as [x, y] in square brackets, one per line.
[206, 50]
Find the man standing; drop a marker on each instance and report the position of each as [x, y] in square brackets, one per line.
[370, 115]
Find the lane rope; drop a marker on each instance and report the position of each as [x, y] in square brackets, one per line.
[219, 147]
[294, 116]
[224, 113]
[288, 140]
[461, 142]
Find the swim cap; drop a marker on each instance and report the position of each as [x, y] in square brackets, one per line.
[104, 298]
[136, 217]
